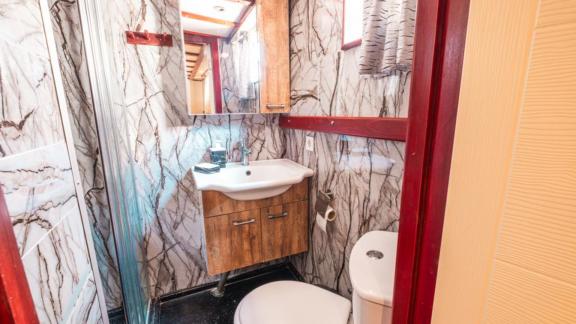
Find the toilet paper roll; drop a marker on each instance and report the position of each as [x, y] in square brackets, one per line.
[323, 220]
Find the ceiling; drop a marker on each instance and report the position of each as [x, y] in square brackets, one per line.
[215, 17]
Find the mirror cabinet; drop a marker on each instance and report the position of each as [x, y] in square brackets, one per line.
[236, 56]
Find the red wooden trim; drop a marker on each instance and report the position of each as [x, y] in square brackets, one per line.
[352, 44]
[439, 50]
[381, 128]
[16, 305]
[189, 33]
[448, 88]
[216, 72]
[146, 38]
[190, 37]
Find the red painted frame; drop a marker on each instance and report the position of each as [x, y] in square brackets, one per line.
[354, 43]
[16, 304]
[190, 37]
[438, 59]
[381, 128]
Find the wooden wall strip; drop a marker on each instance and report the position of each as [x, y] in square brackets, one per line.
[381, 128]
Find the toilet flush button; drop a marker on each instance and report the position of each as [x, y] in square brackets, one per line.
[376, 255]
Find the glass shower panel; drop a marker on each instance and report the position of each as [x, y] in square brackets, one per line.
[117, 159]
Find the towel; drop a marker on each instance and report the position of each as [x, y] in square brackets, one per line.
[246, 61]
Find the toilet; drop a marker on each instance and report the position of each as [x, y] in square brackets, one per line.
[372, 263]
[372, 269]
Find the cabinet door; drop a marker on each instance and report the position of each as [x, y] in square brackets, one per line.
[232, 241]
[284, 230]
[273, 22]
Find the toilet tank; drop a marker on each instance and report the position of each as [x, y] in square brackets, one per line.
[372, 269]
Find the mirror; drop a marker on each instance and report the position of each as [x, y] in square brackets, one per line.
[222, 56]
[352, 24]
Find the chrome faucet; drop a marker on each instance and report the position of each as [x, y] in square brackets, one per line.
[245, 151]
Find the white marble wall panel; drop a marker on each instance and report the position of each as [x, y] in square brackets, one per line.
[57, 269]
[39, 191]
[29, 116]
[21, 25]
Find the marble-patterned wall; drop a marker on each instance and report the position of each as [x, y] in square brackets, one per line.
[364, 174]
[164, 143]
[72, 57]
[36, 173]
[326, 80]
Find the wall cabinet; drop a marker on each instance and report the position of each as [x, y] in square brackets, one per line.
[243, 233]
[273, 19]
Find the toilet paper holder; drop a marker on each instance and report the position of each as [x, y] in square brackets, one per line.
[326, 196]
[323, 200]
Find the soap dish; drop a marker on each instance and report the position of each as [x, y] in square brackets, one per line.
[207, 168]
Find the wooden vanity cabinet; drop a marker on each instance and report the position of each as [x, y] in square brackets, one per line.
[234, 241]
[250, 232]
[278, 240]
[274, 27]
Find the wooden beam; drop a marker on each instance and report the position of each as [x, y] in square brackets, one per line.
[212, 20]
[380, 128]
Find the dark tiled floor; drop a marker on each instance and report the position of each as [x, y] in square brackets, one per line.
[116, 316]
[202, 308]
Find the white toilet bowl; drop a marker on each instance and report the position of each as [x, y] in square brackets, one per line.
[292, 302]
[372, 263]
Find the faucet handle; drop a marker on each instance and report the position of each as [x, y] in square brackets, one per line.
[244, 145]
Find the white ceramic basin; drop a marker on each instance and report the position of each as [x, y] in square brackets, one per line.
[259, 180]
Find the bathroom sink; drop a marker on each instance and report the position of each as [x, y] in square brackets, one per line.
[259, 180]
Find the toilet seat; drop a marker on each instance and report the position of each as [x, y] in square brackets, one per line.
[292, 302]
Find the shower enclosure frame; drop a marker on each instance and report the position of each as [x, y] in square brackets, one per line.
[137, 305]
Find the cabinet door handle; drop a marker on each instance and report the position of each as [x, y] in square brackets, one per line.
[240, 223]
[272, 106]
[272, 216]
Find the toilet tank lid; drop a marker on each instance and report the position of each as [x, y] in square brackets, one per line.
[372, 266]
